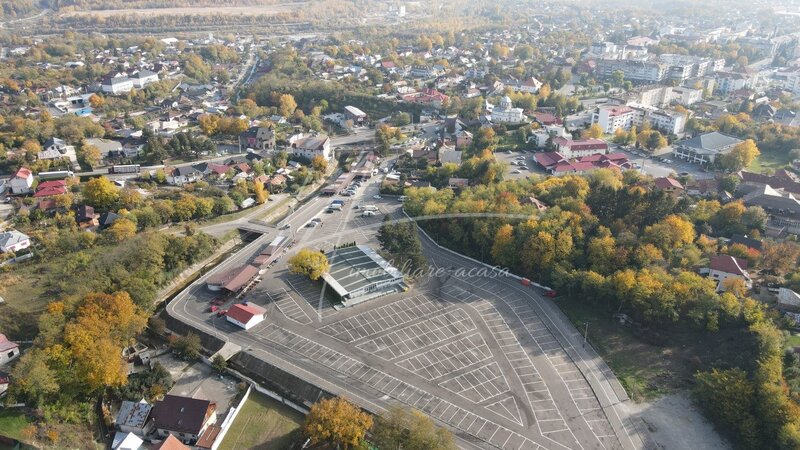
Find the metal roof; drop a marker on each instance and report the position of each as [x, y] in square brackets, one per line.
[353, 268]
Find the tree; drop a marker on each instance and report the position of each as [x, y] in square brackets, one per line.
[319, 163]
[671, 233]
[309, 262]
[286, 105]
[100, 192]
[33, 379]
[727, 396]
[219, 363]
[260, 192]
[337, 421]
[96, 101]
[405, 429]
[593, 132]
[122, 229]
[209, 124]
[780, 257]
[741, 156]
[90, 155]
[188, 346]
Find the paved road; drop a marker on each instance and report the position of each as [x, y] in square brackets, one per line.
[488, 358]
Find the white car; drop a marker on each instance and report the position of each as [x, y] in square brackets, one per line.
[377, 197]
[368, 214]
[516, 172]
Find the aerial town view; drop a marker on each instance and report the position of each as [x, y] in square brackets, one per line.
[391, 224]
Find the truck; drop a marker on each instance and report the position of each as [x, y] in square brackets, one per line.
[335, 207]
[124, 168]
[56, 175]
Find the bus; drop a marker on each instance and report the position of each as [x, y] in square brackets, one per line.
[125, 168]
[56, 175]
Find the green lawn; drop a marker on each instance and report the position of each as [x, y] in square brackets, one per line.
[769, 161]
[793, 340]
[24, 290]
[12, 422]
[263, 423]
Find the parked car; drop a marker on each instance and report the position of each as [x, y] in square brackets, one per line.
[550, 293]
[368, 214]
[222, 312]
[213, 308]
[285, 226]
[516, 172]
[377, 197]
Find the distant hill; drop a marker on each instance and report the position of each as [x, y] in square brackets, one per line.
[129, 4]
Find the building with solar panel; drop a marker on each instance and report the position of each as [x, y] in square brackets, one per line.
[359, 273]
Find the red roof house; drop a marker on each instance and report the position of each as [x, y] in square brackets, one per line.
[246, 315]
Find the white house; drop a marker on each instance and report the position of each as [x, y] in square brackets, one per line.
[184, 175]
[55, 144]
[8, 350]
[571, 149]
[126, 441]
[530, 86]
[13, 241]
[117, 85]
[724, 267]
[246, 315]
[142, 78]
[310, 145]
[22, 181]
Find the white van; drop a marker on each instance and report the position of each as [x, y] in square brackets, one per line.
[372, 208]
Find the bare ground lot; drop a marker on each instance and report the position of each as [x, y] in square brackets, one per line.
[260, 10]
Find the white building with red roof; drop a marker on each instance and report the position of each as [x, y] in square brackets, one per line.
[611, 118]
[724, 267]
[577, 148]
[246, 315]
[22, 181]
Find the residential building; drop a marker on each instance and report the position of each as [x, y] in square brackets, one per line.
[257, 138]
[427, 97]
[781, 179]
[667, 121]
[126, 441]
[171, 443]
[142, 78]
[55, 144]
[8, 350]
[792, 82]
[540, 136]
[22, 181]
[705, 148]
[724, 267]
[449, 155]
[50, 188]
[13, 241]
[530, 86]
[782, 208]
[506, 113]
[134, 417]
[310, 146]
[635, 70]
[686, 96]
[612, 118]
[185, 418]
[179, 176]
[727, 82]
[116, 85]
[669, 185]
[246, 315]
[570, 148]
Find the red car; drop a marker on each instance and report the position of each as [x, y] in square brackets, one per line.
[551, 293]
[221, 312]
[213, 308]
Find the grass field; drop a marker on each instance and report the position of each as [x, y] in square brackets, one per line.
[12, 423]
[263, 423]
[650, 363]
[769, 161]
[24, 291]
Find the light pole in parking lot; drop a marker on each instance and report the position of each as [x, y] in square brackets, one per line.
[585, 334]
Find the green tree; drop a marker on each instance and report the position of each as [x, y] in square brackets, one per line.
[401, 428]
[188, 346]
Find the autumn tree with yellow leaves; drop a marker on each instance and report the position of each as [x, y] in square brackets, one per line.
[337, 421]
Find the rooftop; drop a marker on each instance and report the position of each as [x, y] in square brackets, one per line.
[353, 268]
[134, 414]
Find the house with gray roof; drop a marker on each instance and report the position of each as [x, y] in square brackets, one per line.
[705, 148]
[13, 241]
[783, 208]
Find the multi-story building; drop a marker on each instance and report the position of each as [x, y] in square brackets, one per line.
[793, 82]
[634, 70]
[727, 82]
[685, 96]
[506, 113]
[667, 121]
[310, 146]
[116, 85]
[612, 118]
[569, 148]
